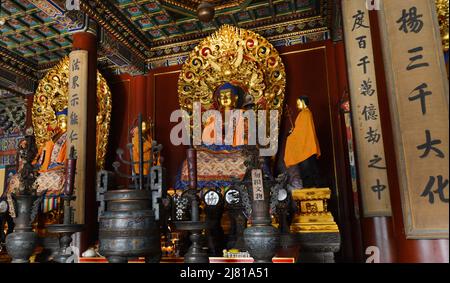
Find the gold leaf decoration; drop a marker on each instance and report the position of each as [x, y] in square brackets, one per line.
[236, 56]
[52, 96]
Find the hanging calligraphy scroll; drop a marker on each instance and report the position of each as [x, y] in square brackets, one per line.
[77, 127]
[418, 97]
[364, 101]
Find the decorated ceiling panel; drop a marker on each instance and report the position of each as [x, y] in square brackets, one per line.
[33, 33]
[169, 20]
[38, 33]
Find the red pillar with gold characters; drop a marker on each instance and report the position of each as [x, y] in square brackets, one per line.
[88, 41]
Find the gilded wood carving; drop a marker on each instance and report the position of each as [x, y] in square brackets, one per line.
[52, 97]
[236, 56]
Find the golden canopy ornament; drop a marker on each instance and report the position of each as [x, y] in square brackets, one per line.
[52, 97]
[237, 56]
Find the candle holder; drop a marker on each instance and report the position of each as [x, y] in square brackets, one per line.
[21, 243]
[68, 228]
[196, 253]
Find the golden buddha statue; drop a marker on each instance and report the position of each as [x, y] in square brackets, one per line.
[228, 100]
[50, 163]
[51, 157]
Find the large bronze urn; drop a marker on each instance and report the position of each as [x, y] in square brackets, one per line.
[129, 219]
[128, 227]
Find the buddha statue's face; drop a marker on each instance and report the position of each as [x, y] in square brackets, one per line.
[301, 104]
[62, 122]
[58, 126]
[227, 99]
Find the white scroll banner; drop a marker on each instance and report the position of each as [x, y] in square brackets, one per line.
[77, 123]
[418, 97]
[364, 100]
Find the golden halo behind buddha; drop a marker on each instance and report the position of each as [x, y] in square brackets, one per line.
[236, 56]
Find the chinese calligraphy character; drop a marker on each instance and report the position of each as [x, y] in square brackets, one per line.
[75, 83]
[258, 190]
[76, 65]
[411, 65]
[410, 21]
[74, 101]
[364, 61]
[373, 163]
[421, 95]
[370, 112]
[366, 88]
[73, 118]
[378, 188]
[362, 42]
[373, 136]
[359, 20]
[441, 185]
[429, 146]
[73, 136]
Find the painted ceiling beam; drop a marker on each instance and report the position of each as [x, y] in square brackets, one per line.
[17, 64]
[112, 20]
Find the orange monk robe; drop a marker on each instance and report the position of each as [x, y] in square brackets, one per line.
[147, 148]
[209, 132]
[49, 156]
[239, 137]
[303, 142]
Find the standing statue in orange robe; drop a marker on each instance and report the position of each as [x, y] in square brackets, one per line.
[302, 148]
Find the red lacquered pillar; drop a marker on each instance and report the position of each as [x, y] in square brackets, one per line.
[88, 41]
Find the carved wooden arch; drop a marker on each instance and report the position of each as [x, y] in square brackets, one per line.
[52, 96]
[236, 56]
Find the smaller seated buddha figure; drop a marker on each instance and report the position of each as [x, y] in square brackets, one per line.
[50, 160]
[303, 150]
